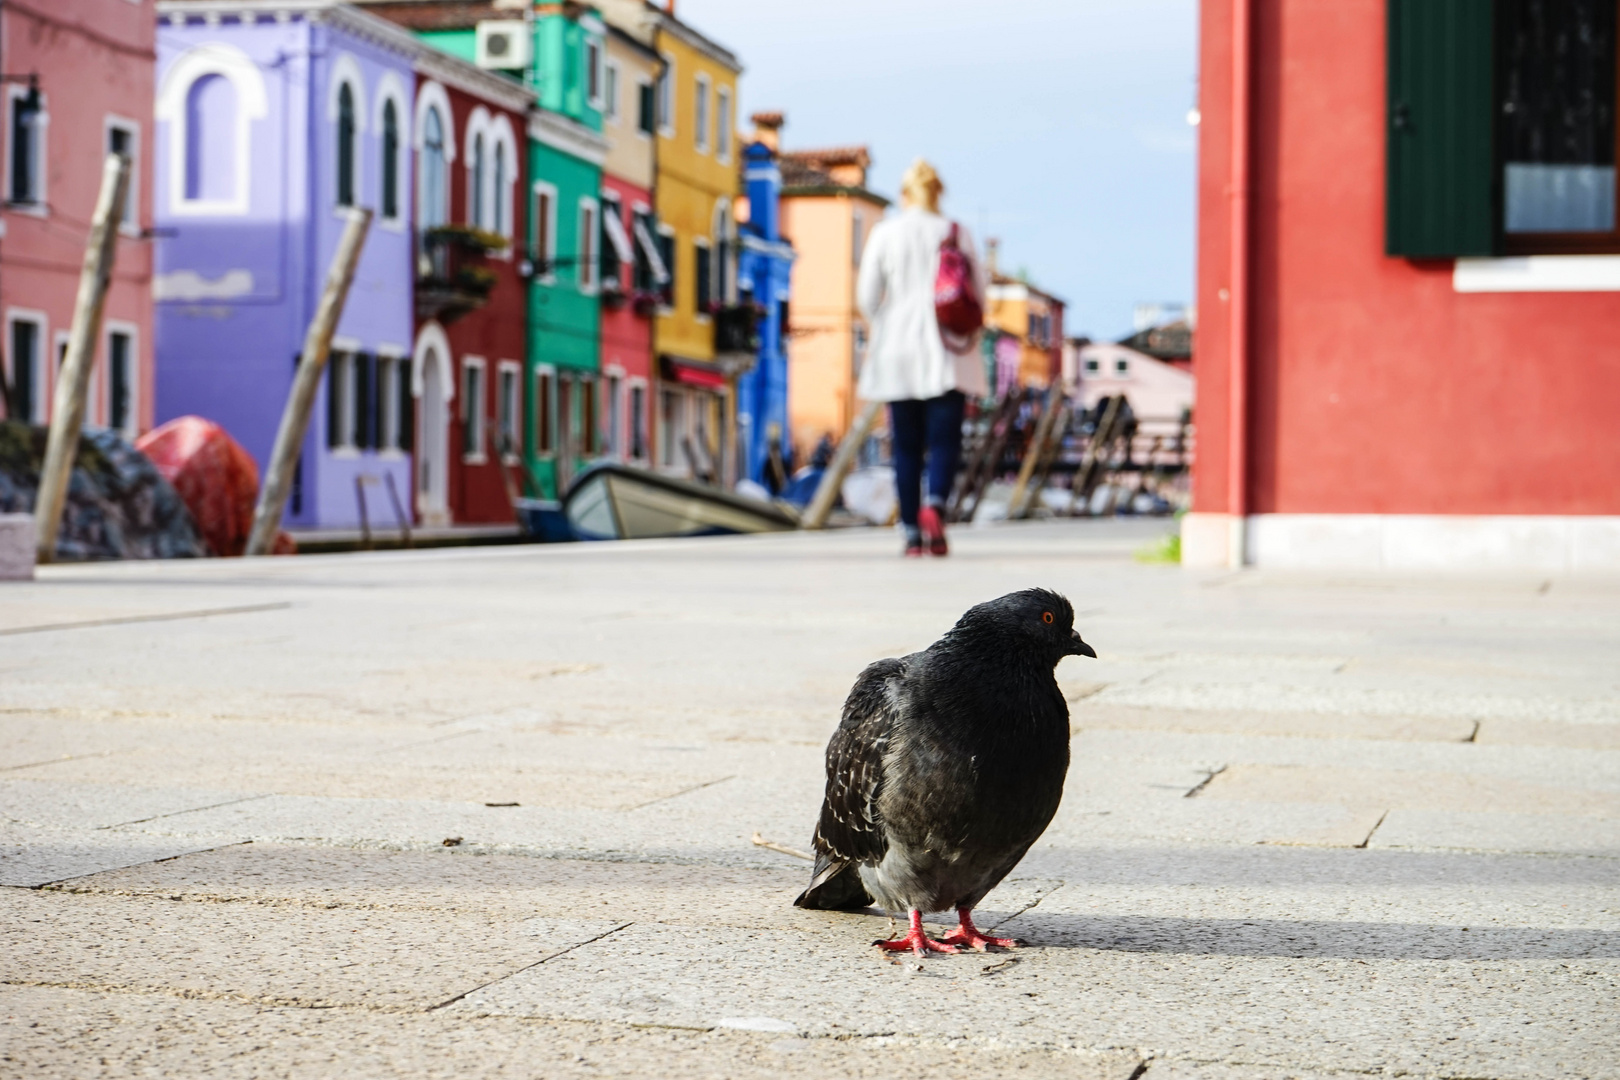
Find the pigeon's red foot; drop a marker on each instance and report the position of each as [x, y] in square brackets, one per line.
[967, 934]
[915, 940]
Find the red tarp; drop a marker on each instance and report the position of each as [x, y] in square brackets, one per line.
[216, 478]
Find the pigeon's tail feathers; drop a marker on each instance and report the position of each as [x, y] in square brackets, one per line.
[835, 886]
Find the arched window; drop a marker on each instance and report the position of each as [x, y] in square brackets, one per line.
[433, 179]
[390, 161]
[345, 146]
[478, 193]
[499, 195]
[211, 135]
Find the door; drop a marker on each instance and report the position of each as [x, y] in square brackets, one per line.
[433, 458]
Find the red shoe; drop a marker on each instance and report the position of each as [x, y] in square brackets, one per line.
[933, 530]
[913, 550]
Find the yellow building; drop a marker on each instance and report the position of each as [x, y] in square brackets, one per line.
[827, 213]
[696, 182]
[1034, 317]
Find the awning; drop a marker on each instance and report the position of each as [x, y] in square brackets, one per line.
[650, 246]
[693, 373]
[616, 234]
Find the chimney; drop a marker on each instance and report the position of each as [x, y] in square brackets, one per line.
[669, 7]
[992, 254]
[768, 129]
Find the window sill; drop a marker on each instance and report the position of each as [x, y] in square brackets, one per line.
[1538, 273]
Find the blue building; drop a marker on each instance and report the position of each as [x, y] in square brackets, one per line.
[764, 275]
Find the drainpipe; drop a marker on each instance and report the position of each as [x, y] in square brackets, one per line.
[1237, 457]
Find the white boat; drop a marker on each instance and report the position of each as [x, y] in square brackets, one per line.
[618, 502]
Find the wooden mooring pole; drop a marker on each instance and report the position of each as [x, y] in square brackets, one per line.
[815, 515]
[73, 381]
[295, 419]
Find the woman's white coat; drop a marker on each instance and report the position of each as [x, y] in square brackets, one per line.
[906, 359]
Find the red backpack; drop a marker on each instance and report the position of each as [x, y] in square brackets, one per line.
[956, 296]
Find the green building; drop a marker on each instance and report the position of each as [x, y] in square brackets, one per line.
[564, 65]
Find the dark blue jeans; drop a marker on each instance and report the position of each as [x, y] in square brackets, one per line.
[933, 427]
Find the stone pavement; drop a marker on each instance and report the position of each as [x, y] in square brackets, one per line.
[489, 813]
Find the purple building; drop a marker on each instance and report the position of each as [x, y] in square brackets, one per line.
[272, 120]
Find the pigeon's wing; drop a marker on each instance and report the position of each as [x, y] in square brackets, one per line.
[850, 830]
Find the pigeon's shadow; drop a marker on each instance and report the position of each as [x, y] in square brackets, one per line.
[1277, 937]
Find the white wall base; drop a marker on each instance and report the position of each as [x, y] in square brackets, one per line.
[1210, 541]
[1434, 543]
[17, 542]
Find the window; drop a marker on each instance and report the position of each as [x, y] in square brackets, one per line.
[1122, 366]
[703, 266]
[722, 123]
[615, 434]
[390, 161]
[405, 409]
[700, 115]
[611, 262]
[544, 228]
[27, 388]
[545, 428]
[472, 409]
[345, 146]
[565, 418]
[588, 416]
[121, 381]
[724, 254]
[365, 423]
[435, 194]
[208, 99]
[340, 400]
[1501, 128]
[647, 107]
[477, 197]
[386, 426]
[610, 91]
[508, 409]
[123, 137]
[666, 251]
[638, 423]
[643, 278]
[499, 193]
[210, 130]
[668, 422]
[27, 149]
[589, 230]
[1093, 366]
[666, 98]
[857, 238]
[593, 72]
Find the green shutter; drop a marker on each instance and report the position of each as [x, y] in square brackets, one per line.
[1440, 118]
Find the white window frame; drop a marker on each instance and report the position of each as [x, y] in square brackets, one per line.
[499, 133]
[472, 410]
[697, 309]
[595, 55]
[479, 188]
[43, 381]
[1122, 367]
[130, 225]
[545, 253]
[611, 389]
[587, 264]
[40, 207]
[664, 97]
[252, 103]
[430, 96]
[641, 134]
[723, 124]
[612, 92]
[392, 359]
[344, 351]
[631, 385]
[510, 369]
[132, 331]
[702, 118]
[546, 402]
[345, 70]
[390, 89]
[672, 267]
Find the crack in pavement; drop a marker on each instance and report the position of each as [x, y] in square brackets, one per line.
[124, 620]
[676, 795]
[527, 967]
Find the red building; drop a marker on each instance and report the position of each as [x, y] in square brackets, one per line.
[627, 317]
[59, 123]
[471, 299]
[1408, 284]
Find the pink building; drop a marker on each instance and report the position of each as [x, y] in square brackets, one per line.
[78, 83]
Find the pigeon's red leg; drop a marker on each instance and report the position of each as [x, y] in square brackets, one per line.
[968, 934]
[915, 940]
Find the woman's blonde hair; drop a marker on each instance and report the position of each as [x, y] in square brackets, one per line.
[921, 185]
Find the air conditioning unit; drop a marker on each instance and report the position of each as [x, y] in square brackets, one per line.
[504, 44]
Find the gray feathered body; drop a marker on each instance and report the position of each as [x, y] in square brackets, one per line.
[946, 766]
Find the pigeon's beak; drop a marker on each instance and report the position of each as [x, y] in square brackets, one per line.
[1079, 648]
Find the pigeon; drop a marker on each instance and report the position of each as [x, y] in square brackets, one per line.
[947, 765]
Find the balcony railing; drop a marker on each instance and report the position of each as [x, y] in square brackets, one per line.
[736, 328]
[453, 275]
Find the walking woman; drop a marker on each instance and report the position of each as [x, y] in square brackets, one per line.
[909, 362]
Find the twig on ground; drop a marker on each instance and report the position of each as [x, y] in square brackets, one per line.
[760, 841]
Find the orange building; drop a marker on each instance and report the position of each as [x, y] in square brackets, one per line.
[1035, 318]
[827, 214]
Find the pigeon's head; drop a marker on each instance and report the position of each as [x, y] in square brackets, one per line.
[1035, 619]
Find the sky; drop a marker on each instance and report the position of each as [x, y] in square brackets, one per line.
[1059, 126]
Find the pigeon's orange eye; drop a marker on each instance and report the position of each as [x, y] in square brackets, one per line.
[1046, 617]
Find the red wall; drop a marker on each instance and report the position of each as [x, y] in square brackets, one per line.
[626, 336]
[1374, 387]
[495, 331]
